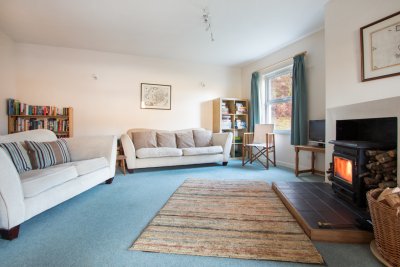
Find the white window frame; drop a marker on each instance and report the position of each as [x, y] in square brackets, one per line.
[267, 94]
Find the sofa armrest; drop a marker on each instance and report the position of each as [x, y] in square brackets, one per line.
[224, 140]
[12, 206]
[129, 151]
[89, 147]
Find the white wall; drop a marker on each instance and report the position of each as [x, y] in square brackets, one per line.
[343, 20]
[315, 72]
[7, 77]
[110, 105]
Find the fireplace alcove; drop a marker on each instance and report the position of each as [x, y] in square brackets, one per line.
[354, 137]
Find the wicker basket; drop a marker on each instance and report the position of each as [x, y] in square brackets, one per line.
[386, 224]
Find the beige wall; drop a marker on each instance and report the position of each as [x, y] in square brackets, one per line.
[315, 72]
[7, 77]
[110, 104]
[343, 20]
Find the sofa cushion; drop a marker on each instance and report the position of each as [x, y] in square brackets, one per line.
[46, 154]
[184, 139]
[18, 156]
[193, 151]
[166, 139]
[158, 152]
[87, 166]
[145, 139]
[202, 138]
[37, 181]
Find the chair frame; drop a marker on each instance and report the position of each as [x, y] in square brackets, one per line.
[247, 150]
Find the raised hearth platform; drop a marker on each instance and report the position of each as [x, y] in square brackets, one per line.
[311, 203]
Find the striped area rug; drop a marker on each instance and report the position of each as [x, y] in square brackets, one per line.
[234, 219]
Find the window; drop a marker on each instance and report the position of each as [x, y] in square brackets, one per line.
[278, 98]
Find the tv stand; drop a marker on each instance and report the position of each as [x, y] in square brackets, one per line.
[313, 150]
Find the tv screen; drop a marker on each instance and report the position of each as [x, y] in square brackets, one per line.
[316, 131]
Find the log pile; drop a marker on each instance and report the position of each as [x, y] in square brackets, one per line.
[382, 169]
[391, 197]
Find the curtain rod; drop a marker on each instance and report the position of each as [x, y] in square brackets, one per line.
[298, 54]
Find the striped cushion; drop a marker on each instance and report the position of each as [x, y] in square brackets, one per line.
[18, 156]
[47, 154]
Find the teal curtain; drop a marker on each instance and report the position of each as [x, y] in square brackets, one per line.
[254, 101]
[299, 103]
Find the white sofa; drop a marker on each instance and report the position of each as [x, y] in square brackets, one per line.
[196, 155]
[25, 195]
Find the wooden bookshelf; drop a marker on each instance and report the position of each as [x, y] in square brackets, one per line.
[229, 117]
[60, 121]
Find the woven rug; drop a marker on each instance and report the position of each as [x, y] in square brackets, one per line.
[234, 219]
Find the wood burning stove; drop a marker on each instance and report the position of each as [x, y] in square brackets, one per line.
[349, 159]
[349, 162]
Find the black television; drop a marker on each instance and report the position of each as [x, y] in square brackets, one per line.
[316, 132]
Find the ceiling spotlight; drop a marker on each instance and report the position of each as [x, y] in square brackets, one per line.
[207, 22]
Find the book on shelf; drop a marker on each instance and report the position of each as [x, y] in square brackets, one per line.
[53, 124]
[15, 107]
[241, 109]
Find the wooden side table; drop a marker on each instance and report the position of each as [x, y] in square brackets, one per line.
[121, 162]
[313, 150]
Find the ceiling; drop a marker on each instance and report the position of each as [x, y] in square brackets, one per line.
[244, 30]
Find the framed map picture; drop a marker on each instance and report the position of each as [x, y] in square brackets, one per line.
[155, 96]
[380, 48]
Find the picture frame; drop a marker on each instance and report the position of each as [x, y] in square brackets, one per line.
[380, 48]
[155, 96]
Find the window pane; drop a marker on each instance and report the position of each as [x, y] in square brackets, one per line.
[281, 115]
[281, 86]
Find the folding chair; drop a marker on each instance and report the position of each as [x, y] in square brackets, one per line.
[263, 140]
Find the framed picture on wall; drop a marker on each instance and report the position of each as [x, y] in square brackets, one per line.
[380, 48]
[155, 96]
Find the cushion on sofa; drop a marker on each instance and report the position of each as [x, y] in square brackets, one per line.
[202, 138]
[166, 139]
[184, 139]
[46, 154]
[158, 152]
[193, 151]
[37, 181]
[90, 165]
[144, 139]
[18, 156]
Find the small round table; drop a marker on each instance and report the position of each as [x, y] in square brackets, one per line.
[121, 162]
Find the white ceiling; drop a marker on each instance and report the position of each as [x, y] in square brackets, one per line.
[244, 30]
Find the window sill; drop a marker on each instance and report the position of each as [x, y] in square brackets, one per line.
[282, 132]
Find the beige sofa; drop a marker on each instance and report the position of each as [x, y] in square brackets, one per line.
[24, 195]
[217, 151]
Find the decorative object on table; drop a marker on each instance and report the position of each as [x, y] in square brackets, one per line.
[227, 218]
[384, 206]
[380, 48]
[155, 96]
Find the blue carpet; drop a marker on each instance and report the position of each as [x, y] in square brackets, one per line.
[97, 227]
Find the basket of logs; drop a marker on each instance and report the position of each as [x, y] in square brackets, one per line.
[381, 169]
[384, 206]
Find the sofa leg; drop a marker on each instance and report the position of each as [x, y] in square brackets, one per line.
[224, 163]
[131, 170]
[10, 234]
[109, 181]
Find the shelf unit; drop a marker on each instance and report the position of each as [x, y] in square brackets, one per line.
[61, 125]
[231, 115]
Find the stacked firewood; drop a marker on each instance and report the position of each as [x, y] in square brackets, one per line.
[391, 197]
[382, 169]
